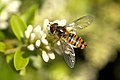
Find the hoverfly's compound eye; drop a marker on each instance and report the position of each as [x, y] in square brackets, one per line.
[53, 27]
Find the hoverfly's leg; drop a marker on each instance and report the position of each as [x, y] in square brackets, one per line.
[57, 42]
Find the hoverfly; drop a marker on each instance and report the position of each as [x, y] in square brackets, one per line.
[70, 40]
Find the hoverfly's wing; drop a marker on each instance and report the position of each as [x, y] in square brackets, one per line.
[68, 53]
[81, 22]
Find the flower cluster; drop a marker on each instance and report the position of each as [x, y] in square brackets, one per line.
[7, 8]
[37, 38]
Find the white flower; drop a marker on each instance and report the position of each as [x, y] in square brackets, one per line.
[27, 34]
[29, 28]
[31, 47]
[3, 16]
[37, 29]
[46, 25]
[62, 22]
[37, 43]
[44, 41]
[13, 6]
[10, 7]
[37, 38]
[32, 36]
[3, 25]
[6, 1]
[51, 55]
[45, 56]
[48, 47]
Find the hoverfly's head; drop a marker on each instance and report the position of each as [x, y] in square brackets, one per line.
[53, 27]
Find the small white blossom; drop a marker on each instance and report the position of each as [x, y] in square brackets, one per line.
[3, 25]
[43, 36]
[37, 29]
[41, 33]
[46, 25]
[3, 16]
[62, 22]
[44, 41]
[27, 34]
[31, 47]
[37, 43]
[56, 21]
[37, 38]
[36, 35]
[28, 31]
[32, 36]
[5, 1]
[51, 55]
[48, 47]
[29, 28]
[45, 56]
[11, 6]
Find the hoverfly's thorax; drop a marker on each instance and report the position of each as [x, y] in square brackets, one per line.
[61, 31]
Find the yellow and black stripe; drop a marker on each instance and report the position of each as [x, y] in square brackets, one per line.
[80, 43]
[75, 40]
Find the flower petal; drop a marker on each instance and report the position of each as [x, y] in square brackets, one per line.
[48, 47]
[56, 21]
[45, 25]
[62, 22]
[51, 55]
[3, 25]
[13, 6]
[43, 36]
[37, 29]
[31, 47]
[37, 43]
[29, 28]
[27, 34]
[44, 41]
[4, 15]
[45, 56]
[32, 36]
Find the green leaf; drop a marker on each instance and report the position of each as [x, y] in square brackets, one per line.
[2, 6]
[9, 58]
[2, 47]
[29, 14]
[20, 61]
[18, 26]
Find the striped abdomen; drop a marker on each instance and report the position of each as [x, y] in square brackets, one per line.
[75, 40]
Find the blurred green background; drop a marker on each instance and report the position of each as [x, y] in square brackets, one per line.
[99, 61]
